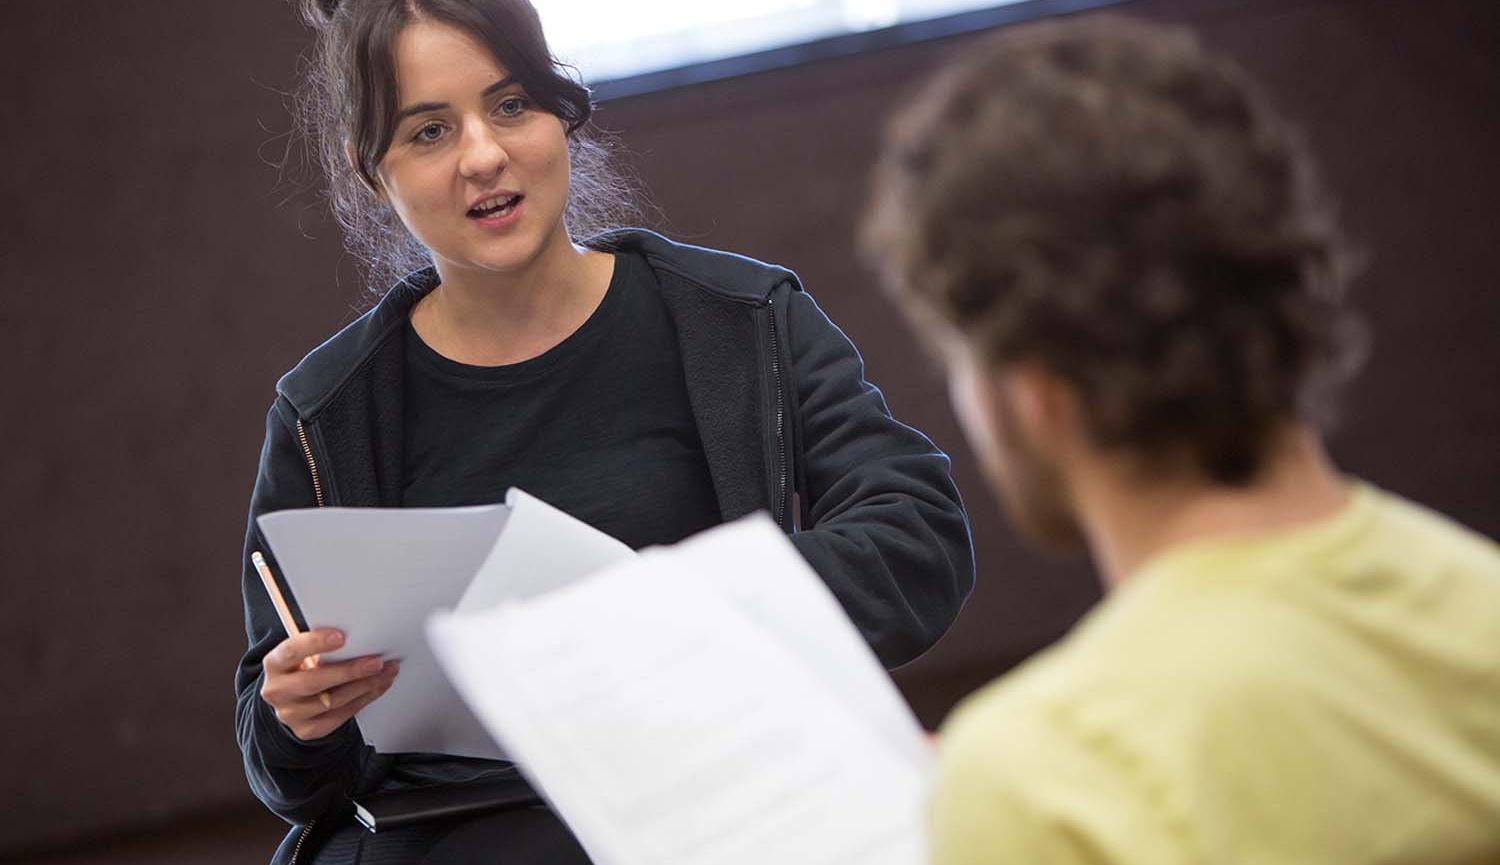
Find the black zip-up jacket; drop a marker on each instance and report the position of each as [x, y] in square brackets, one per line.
[784, 414]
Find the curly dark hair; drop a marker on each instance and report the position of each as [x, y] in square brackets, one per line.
[1105, 198]
[346, 104]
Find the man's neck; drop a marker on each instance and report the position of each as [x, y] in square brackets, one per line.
[1129, 520]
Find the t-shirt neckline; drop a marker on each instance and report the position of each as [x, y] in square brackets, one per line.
[569, 349]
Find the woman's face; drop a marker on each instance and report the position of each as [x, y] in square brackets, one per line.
[476, 172]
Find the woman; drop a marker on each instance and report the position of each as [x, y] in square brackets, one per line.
[649, 388]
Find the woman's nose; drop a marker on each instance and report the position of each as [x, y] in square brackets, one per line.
[483, 155]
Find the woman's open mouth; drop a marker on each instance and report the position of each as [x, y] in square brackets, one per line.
[497, 210]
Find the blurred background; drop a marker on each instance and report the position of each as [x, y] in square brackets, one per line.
[160, 272]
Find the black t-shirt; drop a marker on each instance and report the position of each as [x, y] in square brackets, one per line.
[599, 426]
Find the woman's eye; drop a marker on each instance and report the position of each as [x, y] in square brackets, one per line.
[428, 134]
[511, 106]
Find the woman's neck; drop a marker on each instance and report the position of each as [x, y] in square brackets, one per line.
[487, 318]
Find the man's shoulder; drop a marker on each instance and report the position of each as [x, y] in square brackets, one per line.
[1119, 744]
[1417, 535]
[1209, 697]
[1136, 679]
[1024, 775]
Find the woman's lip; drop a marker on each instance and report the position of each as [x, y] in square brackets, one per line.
[502, 194]
[494, 222]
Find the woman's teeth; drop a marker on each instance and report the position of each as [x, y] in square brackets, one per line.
[498, 206]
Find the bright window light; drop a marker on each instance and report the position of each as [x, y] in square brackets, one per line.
[610, 39]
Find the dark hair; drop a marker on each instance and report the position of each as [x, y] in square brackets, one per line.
[347, 104]
[1103, 197]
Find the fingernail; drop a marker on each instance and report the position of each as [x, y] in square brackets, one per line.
[370, 666]
[335, 640]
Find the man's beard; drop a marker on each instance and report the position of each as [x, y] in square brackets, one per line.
[1032, 488]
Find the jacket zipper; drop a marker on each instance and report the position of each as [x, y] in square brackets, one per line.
[311, 465]
[306, 827]
[780, 415]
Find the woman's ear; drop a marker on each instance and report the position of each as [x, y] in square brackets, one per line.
[372, 184]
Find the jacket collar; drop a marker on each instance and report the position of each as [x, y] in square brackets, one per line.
[725, 274]
[313, 382]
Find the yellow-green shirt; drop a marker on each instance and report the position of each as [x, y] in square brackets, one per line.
[1327, 695]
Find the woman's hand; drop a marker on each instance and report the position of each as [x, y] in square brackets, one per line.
[313, 699]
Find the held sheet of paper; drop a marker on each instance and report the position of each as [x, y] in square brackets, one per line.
[378, 573]
[707, 703]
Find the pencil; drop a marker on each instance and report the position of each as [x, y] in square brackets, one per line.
[284, 612]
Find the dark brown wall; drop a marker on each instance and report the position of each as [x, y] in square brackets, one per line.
[155, 289]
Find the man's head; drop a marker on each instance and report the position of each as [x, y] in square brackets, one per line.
[1121, 252]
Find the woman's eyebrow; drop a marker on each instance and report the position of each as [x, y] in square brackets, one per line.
[424, 107]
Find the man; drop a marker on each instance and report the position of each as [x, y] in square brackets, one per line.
[1137, 289]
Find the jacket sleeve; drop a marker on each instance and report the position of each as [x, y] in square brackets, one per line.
[297, 780]
[884, 524]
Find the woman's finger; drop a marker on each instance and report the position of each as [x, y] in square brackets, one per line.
[327, 676]
[329, 721]
[344, 694]
[290, 654]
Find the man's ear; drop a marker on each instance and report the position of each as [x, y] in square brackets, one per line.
[1044, 404]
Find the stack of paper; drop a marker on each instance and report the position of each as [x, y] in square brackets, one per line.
[378, 573]
[708, 703]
